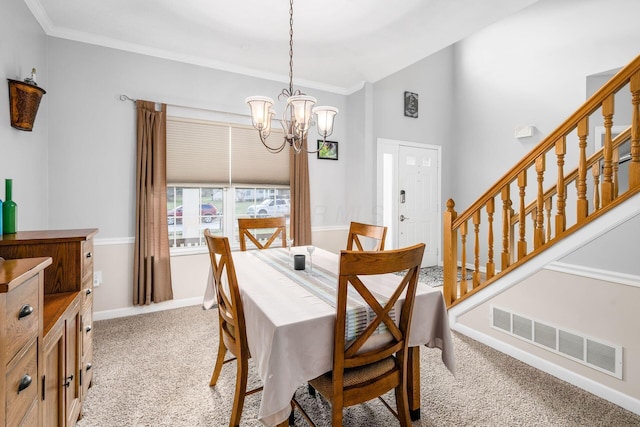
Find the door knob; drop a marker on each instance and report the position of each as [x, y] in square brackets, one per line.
[402, 218]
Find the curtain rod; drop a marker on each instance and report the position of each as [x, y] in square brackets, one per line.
[124, 97]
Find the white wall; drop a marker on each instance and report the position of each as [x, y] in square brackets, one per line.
[24, 155]
[530, 69]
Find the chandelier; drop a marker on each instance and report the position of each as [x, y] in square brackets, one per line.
[297, 115]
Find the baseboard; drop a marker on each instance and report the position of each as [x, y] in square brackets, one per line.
[134, 311]
[614, 396]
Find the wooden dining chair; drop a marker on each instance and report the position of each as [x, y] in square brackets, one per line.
[245, 225]
[360, 374]
[233, 337]
[358, 230]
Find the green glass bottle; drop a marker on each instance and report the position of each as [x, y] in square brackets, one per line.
[9, 210]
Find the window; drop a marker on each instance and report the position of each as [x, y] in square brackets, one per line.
[218, 172]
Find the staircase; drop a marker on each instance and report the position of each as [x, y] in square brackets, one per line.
[563, 193]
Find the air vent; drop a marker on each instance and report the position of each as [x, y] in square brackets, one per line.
[589, 351]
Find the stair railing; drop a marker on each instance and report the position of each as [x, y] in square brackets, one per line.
[597, 175]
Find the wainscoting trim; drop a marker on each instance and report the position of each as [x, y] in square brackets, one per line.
[595, 273]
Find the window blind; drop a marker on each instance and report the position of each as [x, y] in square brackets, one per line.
[201, 151]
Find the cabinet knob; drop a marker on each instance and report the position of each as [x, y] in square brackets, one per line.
[89, 366]
[24, 382]
[25, 310]
[89, 291]
[89, 255]
[87, 329]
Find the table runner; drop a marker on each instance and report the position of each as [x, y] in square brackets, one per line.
[323, 284]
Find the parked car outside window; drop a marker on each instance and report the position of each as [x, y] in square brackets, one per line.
[207, 212]
[270, 207]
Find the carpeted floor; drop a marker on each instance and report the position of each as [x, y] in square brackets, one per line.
[154, 370]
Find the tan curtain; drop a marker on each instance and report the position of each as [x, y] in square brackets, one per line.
[151, 268]
[300, 197]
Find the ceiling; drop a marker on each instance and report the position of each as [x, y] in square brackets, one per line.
[338, 44]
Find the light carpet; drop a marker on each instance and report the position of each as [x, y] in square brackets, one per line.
[154, 370]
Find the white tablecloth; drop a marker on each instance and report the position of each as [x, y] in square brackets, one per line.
[290, 330]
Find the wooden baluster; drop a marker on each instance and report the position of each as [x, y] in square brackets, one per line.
[450, 291]
[491, 265]
[548, 204]
[581, 182]
[616, 166]
[476, 249]
[607, 170]
[522, 243]
[634, 166]
[506, 227]
[538, 236]
[464, 286]
[595, 171]
[561, 219]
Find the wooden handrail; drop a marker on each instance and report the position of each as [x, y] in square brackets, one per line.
[598, 173]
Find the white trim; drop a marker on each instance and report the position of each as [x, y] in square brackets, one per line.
[134, 311]
[628, 402]
[330, 228]
[595, 273]
[114, 241]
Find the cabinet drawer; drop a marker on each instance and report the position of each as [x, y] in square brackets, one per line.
[22, 315]
[87, 331]
[87, 258]
[87, 292]
[87, 370]
[22, 388]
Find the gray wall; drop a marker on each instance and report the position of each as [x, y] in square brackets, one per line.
[92, 139]
[432, 79]
[530, 69]
[24, 155]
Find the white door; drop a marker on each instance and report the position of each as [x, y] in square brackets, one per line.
[418, 210]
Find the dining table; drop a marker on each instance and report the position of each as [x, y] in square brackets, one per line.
[290, 317]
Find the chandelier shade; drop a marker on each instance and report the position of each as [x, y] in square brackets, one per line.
[298, 114]
[324, 119]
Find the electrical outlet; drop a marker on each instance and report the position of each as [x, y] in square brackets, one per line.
[97, 278]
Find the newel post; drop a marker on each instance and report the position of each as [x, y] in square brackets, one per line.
[450, 254]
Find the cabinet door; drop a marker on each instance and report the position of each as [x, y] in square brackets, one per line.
[53, 376]
[72, 361]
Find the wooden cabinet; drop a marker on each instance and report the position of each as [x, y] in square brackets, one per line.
[62, 390]
[21, 286]
[64, 329]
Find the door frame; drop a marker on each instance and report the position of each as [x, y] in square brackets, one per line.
[393, 146]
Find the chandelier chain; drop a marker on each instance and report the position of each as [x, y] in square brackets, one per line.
[291, 47]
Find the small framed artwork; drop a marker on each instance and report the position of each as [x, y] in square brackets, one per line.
[327, 150]
[411, 104]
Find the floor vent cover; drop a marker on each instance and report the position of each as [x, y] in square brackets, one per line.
[589, 351]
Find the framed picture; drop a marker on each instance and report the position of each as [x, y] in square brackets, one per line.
[327, 150]
[411, 104]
